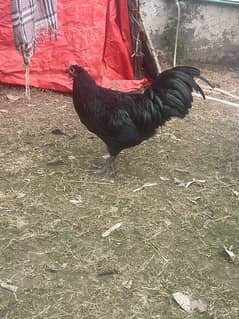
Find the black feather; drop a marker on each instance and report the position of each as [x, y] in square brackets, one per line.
[173, 101]
[179, 85]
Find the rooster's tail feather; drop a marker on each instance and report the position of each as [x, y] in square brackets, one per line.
[171, 91]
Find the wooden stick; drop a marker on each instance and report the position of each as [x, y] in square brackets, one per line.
[153, 50]
[177, 32]
[218, 100]
[144, 51]
[220, 91]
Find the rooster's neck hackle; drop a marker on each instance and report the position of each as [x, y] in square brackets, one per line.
[84, 88]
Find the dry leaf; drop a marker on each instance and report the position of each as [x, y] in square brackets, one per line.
[13, 98]
[76, 201]
[111, 229]
[106, 156]
[64, 265]
[51, 267]
[229, 253]
[187, 184]
[144, 186]
[199, 305]
[57, 131]
[194, 200]
[164, 178]
[20, 195]
[71, 158]
[127, 283]
[188, 304]
[183, 301]
[236, 193]
[179, 182]
[4, 111]
[9, 287]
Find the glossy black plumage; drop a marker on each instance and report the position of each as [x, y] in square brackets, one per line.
[123, 120]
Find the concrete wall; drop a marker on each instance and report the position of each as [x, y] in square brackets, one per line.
[208, 33]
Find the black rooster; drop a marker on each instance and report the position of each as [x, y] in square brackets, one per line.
[124, 120]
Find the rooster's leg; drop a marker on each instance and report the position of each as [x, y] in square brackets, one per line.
[107, 166]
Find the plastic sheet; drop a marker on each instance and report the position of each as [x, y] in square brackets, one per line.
[94, 33]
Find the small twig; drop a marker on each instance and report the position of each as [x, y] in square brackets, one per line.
[216, 220]
[41, 312]
[151, 288]
[144, 186]
[150, 44]
[203, 242]
[24, 237]
[193, 200]
[206, 214]
[89, 182]
[221, 218]
[153, 50]
[111, 229]
[109, 272]
[180, 170]
[172, 207]
[224, 183]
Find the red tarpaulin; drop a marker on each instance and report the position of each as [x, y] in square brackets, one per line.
[93, 33]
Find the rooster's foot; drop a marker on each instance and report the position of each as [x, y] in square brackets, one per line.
[107, 166]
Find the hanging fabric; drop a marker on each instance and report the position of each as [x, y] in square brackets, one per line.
[29, 18]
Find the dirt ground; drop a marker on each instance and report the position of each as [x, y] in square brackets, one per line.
[54, 210]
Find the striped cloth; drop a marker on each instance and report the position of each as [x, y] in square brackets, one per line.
[29, 18]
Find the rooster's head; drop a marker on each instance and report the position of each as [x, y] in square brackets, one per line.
[74, 70]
